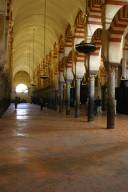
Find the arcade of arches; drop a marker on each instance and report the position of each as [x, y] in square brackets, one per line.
[39, 40]
[37, 48]
[39, 59]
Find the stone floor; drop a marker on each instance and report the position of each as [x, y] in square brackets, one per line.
[43, 151]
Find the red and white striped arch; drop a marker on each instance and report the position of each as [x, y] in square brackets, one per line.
[61, 53]
[79, 65]
[55, 64]
[112, 7]
[55, 58]
[9, 8]
[94, 17]
[61, 59]
[51, 67]
[10, 23]
[68, 41]
[55, 51]
[69, 64]
[43, 67]
[118, 25]
[116, 31]
[79, 36]
[68, 53]
[125, 58]
[95, 57]
[69, 61]
[97, 40]
[79, 25]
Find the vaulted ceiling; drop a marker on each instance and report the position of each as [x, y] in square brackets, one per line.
[28, 28]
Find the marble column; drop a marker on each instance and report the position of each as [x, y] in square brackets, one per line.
[91, 98]
[77, 100]
[111, 98]
[61, 95]
[68, 85]
[103, 96]
[124, 64]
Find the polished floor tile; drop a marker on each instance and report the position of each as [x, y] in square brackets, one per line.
[44, 151]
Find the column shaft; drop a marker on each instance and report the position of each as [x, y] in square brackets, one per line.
[124, 65]
[111, 99]
[61, 102]
[68, 97]
[104, 98]
[77, 103]
[91, 98]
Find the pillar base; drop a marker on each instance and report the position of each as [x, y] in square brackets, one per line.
[67, 112]
[111, 127]
[90, 118]
[77, 114]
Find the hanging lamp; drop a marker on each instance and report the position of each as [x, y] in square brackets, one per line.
[84, 47]
[44, 76]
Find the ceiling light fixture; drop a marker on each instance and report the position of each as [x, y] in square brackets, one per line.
[84, 47]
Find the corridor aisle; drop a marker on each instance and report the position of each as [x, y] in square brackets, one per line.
[44, 151]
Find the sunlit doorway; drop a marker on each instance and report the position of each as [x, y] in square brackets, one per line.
[22, 92]
[21, 88]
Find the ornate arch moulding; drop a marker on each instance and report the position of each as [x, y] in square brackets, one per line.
[115, 43]
[79, 32]
[112, 7]
[79, 36]
[68, 41]
[93, 23]
[43, 74]
[69, 64]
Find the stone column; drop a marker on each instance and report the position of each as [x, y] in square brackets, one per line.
[91, 98]
[56, 86]
[77, 100]
[103, 96]
[61, 99]
[68, 85]
[124, 64]
[56, 99]
[111, 98]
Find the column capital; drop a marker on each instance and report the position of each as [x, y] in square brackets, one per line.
[93, 73]
[68, 80]
[79, 78]
[114, 65]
